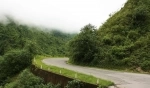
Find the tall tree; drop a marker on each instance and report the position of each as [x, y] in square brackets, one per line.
[83, 47]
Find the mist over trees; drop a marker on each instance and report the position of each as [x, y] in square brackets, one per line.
[20, 43]
[122, 42]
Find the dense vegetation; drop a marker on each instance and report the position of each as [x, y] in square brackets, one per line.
[13, 36]
[20, 43]
[84, 46]
[123, 41]
[27, 80]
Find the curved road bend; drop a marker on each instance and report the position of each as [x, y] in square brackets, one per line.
[121, 79]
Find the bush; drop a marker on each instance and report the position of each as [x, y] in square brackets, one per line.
[1, 59]
[74, 84]
[133, 35]
[107, 40]
[14, 62]
[27, 80]
[84, 46]
[145, 65]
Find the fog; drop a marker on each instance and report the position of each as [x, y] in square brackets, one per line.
[66, 15]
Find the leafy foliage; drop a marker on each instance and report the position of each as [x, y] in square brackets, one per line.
[82, 48]
[34, 39]
[74, 84]
[123, 40]
[27, 80]
[13, 63]
[128, 30]
[20, 43]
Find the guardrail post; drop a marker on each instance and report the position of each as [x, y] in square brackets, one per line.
[97, 81]
[60, 71]
[35, 61]
[76, 75]
[41, 66]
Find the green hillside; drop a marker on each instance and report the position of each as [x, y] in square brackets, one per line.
[123, 40]
[125, 37]
[20, 43]
[13, 36]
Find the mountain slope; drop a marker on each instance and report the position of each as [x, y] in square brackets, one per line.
[20, 43]
[125, 37]
[14, 36]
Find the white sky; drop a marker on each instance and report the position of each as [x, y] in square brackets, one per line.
[66, 15]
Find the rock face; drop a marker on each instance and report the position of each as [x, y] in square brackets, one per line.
[125, 37]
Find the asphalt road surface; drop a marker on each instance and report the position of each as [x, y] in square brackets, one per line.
[121, 79]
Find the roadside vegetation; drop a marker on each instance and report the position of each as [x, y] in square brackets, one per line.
[122, 42]
[27, 80]
[20, 43]
[69, 73]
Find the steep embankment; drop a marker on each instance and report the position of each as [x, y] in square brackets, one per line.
[125, 37]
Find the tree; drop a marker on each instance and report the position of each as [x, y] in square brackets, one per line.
[28, 80]
[83, 47]
[14, 62]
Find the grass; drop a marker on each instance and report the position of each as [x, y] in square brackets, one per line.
[69, 73]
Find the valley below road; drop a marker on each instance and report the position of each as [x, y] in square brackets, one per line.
[121, 79]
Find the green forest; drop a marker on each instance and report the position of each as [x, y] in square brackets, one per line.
[122, 42]
[20, 43]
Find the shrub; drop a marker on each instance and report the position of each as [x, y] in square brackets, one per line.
[14, 62]
[74, 84]
[146, 65]
[107, 40]
[27, 80]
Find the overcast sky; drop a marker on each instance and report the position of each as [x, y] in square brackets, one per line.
[66, 15]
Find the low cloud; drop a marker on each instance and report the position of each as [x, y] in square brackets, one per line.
[65, 15]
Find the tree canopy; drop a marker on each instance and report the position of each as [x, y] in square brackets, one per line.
[123, 40]
[20, 43]
[83, 47]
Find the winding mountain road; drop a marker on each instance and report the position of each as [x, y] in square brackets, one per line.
[121, 79]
